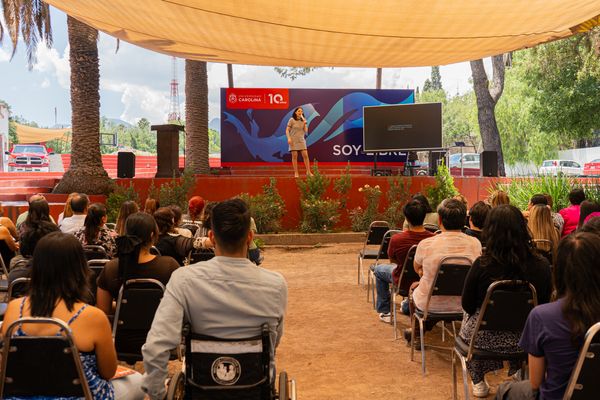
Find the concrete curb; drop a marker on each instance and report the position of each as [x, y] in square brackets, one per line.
[310, 239]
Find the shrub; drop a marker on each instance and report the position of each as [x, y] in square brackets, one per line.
[177, 191]
[342, 186]
[444, 187]
[397, 195]
[120, 195]
[319, 214]
[267, 208]
[360, 218]
[520, 190]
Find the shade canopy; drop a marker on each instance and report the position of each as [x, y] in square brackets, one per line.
[29, 134]
[352, 33]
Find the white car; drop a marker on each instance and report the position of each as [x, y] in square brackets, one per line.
[561, 167]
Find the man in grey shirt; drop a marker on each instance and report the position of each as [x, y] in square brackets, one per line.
[227, 296]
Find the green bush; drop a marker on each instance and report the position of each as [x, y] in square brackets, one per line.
[120, 195]
[266, 208]
[342, 186]
[520, 190]
[397, 196]
[177, 191]
[360, 218]
[319, 214]
[444, 187]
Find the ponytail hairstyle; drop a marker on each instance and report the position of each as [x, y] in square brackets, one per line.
[93, 221]
[140, 232]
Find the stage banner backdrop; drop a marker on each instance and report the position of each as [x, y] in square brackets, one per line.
[253, 123]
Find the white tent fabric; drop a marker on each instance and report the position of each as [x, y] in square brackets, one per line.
[353, 33]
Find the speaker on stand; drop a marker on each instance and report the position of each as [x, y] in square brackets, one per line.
[489, 163]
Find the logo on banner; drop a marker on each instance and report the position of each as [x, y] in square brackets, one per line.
[257, 99]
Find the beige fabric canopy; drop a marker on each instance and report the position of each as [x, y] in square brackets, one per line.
[355, 33]
[29, 134]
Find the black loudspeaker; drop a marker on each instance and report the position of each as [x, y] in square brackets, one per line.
[435, 158]
[125, 164]
[489, 163]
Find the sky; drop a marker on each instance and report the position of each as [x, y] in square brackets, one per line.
[134, 82]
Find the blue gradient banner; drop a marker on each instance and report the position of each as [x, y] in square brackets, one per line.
[335, 126]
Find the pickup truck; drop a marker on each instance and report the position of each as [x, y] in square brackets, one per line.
[28, 157]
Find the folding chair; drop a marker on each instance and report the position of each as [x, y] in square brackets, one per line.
[381, 255]
[191, 227]
[505, 308]
[407, 277]
[4, 278]
[97, 266]
[584, 383]
[198, 255]
[224, 369]
[443, 301]
[95, 252]
[136, 305]
[17, 288]
[433, 228]
[544, 247]
[58, 373]
[374, 237]
[154, 250]
[111, 225]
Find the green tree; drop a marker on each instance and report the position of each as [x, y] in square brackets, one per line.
[434, 83]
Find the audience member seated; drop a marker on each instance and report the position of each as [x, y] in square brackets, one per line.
[498, 198]
[178, 219]
[67, 211]
[151, 205]
[414, 212]
[134, 260]
[541, 226]
[38, 211]
[172, 244]
[588, 209]
[558, 220]
[58, 289]
[94, 232]
[450, 242]
[254, 253]
[79, 206]
[226, 297]
[592, 225]
[195, 210]
[8, 246]
[7, 222]
[127, 208]
[508, 255]
[554, 332]
[431, 218]
[20, 265]
[477, 215]
[535, 200]
[571, 213]
[23, 216]
[202, 231]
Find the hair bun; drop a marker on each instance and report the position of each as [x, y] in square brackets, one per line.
[127, 244]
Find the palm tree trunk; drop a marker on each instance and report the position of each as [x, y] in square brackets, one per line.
[196, 117]
[86, 173]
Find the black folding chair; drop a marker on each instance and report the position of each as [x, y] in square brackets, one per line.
[154, 250]
[374, 237]
[191, 227]
[46, 366]
[382, 254]
[443, 301]
[505, 309]
[227, 369]
[407, 277]
[4, 277]
[17, 288]
[198, 255]
[544, 247]
[433, 228]
[584, 383]
[136, 305]
[95, 252]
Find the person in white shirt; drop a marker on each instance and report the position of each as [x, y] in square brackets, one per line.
[79, 205]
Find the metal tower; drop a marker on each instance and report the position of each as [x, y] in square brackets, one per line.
[174, 111]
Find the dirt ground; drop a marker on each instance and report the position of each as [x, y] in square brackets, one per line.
[334, 345]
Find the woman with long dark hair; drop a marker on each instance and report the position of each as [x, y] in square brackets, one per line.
[509, 255]
[296, 131]
[554, 332]
[59, 289]
[95, 232]
[173, 244]
[38, 211]
[127, 208]
[134, 260]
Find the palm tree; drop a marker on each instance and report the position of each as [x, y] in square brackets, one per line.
[86, 173]
[32, 18]
[196, 117]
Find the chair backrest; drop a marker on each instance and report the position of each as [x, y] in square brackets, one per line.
[544, 247]
[97, 265]
[191, 227]
[385, 244]
[506, 306]
[94, 252]
[136, 305]
[111, 225]
[58, 373]
[376, 231]
[433, 228]
[3, 266]
[408, 274]
[228, 368]
[198, 255]
[450, 278]
[17, 288]
[584, 383]
[154, 250]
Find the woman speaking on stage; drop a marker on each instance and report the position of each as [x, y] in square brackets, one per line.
[295, 132]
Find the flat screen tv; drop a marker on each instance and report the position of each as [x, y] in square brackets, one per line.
[402, 127]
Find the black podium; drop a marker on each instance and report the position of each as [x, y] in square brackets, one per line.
[167, 150]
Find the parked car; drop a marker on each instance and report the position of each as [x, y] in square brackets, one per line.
[592, 167]
[28, 157]
[467, 164]
[561, 167]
